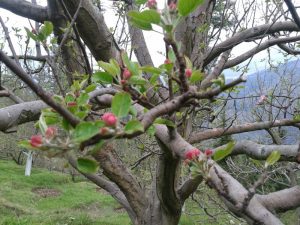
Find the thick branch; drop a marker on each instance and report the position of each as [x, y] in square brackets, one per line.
[37, 89]
[166, 180]
[261, 152]
[7, 93]
[281, 201]
[116, 171]
[93, 30]
[26, 9]
[218, 132]
[293, 11]
[247, 34]
[241, 58]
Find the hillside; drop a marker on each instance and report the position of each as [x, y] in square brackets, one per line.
[265, 82]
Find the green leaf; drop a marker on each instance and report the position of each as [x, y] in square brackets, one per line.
[81, 114]
[196, 76]
[133, 126]
[140, 2]
[86, 165]
[171, 56]
[137, 80]
[111, 68]
[143, 20]
[85, 131]
[26, 144]
[47, 29]
[154, 78]
[169, 123]
[188, 62]
[222, 153]
[42, 124]
[131, 66]
[121, 104]
[90, 88]
[151, 130]
[102, 77]
[150, 69]
[51, 117]
[116, 65]
[82, 99]
[185, 7]
[31, 35]
[272, 158]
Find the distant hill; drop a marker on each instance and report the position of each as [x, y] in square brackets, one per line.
[264, 82]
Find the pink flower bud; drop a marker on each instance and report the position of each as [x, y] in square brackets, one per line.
[123, 82]
[50, 132]
[36, 141]
[152, 4]
[126, 74]
[262, 99]
[167, 61]
[71, 104]
[103, 130]
[109, 119]
[208, 152]
[192, 154]
[172, 6]
[188, 73]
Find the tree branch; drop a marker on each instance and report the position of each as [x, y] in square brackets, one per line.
[38, 89]
[219, 132]
[277, 41]
[261, 152]
[252, 33]
[26, 9]
[293, 11]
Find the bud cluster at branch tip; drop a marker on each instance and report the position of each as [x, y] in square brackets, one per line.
[152, 4]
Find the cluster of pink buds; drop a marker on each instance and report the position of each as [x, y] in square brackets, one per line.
[126, 76]
[196, 154]
[109, 119]
[51, 132]
[152, 4]
[262, 99]
[192, 154]
[172, 6]
[36, 141]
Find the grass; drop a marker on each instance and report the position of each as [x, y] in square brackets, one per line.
[82, 203]
[75, 204]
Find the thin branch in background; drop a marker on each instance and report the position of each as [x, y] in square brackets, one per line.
[293, 11]
[15, 68]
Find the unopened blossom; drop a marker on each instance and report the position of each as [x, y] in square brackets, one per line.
[208, 152]
[262, 99]
[50, 132]
[109, 119]
[36, 141]
[152, 4]
[188, 73]
[192, 154]
[126, 74]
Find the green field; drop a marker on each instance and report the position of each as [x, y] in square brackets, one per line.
[51, 198]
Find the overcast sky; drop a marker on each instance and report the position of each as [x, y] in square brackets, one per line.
[154, 40]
